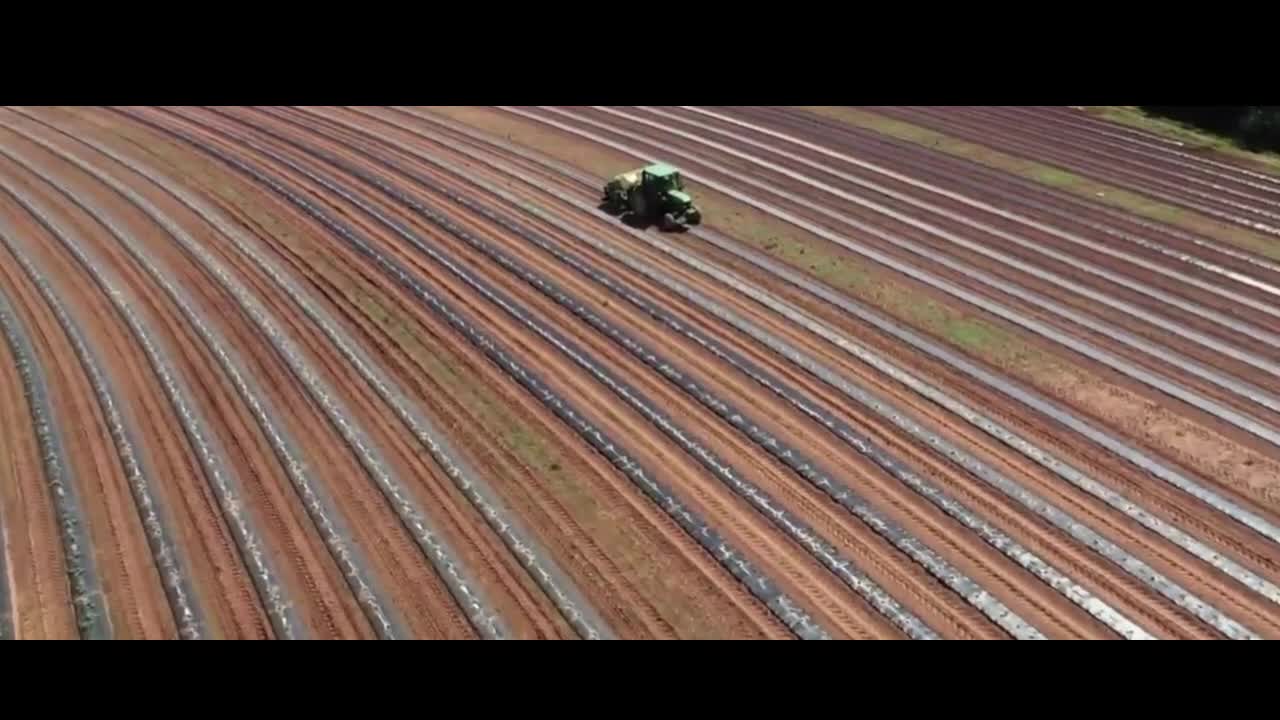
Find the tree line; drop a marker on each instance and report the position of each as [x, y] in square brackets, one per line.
[1256, 127]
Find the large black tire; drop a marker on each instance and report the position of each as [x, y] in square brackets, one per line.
[669, 222]
[636, 201]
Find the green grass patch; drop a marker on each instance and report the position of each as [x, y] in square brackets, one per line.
[1057, 177]
[1054, 177]
[971, 334]
[845, 272]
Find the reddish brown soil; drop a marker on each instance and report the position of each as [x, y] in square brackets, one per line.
[41, 602]
[640, 572]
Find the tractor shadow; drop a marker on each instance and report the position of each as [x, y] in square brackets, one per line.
[631, 220]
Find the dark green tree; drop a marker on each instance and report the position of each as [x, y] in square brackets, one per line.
[1257, 127]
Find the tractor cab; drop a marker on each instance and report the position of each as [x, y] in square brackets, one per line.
[663, 178]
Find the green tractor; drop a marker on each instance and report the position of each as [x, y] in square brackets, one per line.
[652, 193]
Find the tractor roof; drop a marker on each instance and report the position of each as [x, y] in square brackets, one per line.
[661, 170]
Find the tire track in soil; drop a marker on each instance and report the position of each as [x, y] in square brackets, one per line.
[781, 604]
[132, 590]
[130, 585]
[41, 606]
[185, 607]
[92, 612]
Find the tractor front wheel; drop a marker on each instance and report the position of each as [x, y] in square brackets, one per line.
[668, 221]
